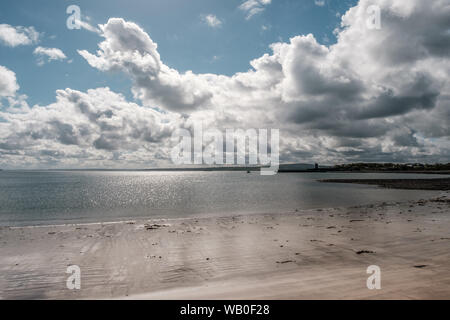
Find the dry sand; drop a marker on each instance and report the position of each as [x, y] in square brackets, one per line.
[314, 254]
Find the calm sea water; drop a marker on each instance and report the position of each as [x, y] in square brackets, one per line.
[53, 197]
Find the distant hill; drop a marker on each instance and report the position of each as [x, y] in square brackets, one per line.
[296, 167]
[394, 167]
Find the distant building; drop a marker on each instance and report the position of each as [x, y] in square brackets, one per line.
[316, 166]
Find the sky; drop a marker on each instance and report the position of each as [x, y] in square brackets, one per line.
[112, 93]
[184, 38]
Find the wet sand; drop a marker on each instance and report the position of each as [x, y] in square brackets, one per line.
[313, 254]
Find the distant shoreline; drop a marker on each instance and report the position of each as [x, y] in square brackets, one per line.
[418, 168]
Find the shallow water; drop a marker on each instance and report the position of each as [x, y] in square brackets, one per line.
[54, 197]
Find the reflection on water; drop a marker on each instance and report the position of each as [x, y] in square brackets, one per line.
[44, 197]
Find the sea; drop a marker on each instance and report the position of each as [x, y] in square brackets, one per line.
[29, 198]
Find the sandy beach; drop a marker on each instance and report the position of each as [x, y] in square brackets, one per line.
[312, 254]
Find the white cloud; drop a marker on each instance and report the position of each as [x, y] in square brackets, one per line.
[86, 128]
[8, 82]
[253, 7]
[319, 3]
[128, 48]
[51, 54]
[10, 100]
[212, 21]
[17, 36]
[87, 26]
[375, 95]
[353, 94]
